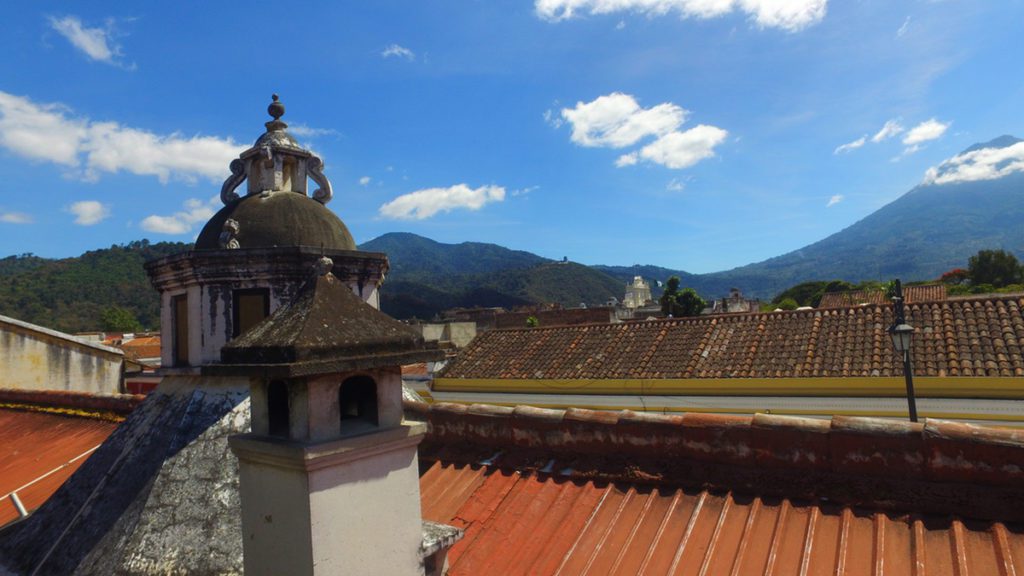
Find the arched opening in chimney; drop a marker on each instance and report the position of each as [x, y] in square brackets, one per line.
[357, 400]
[277, 409]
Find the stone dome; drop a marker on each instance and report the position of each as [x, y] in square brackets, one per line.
[269, 219]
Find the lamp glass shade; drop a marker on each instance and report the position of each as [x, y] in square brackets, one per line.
[901, 335]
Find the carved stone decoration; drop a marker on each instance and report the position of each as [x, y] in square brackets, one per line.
[227, 191]
[323, 266]
[228, 233]
[324, 193]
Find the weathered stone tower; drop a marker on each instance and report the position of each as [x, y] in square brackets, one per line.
[328, 476]
[254, 253]
[274, 280]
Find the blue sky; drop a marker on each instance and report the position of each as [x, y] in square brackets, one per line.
[694, 134]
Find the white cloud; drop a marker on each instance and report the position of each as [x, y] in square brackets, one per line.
[627, 159]
[890, 129]
[850, 145]
[48, 132]
[15, 218]
[523, 191]
[195, 212]
[92, 41]
[925, 131]
[89, 212]
[620, 25]
[617, 120]
[679, 149]
[834, 200]
[789, 15]
[364, 180]
[675, 185]
[423, 204]
[96, 43]
[304, 131]
[903, 29]
[394, 50]
[983, 164]
[552, 120]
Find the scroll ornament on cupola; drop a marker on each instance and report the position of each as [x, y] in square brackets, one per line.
[275, 210]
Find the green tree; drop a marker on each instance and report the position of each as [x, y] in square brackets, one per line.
[787, 304]
[532, 322]
[678, 303]
[117, 319]
[810, 293]
[996, 267]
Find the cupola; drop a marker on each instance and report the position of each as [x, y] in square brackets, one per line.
[255, 253]
[275, 210]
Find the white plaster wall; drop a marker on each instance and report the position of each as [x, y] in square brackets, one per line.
[432, 332]
[276, 521]
[461, 333]
[43, 362]
[458, 333]
[365, 516]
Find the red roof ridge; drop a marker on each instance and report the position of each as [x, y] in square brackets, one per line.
[935, 452]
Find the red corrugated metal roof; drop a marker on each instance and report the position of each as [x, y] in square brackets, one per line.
[34, 444]
[418, 369]
[541, 524]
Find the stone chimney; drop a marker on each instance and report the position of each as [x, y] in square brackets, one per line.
[328, 477]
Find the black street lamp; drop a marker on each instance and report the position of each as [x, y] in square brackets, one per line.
[902, 335]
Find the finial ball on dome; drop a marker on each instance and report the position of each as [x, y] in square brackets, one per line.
[276, 109]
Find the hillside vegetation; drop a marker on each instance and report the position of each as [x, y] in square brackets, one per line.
[71, 294]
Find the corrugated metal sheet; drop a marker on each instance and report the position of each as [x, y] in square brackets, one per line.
[34, 444]
[529, 524]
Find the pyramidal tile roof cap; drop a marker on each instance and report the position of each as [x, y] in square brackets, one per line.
[327, 328]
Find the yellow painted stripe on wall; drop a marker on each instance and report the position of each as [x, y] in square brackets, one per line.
[924, 387]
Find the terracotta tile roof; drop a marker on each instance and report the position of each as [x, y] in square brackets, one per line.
[581, 492]
[34, 444]
[911, 294]
[854, 298]
[975, 337]
[145, 347]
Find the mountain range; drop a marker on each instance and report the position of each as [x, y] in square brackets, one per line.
[925, 232]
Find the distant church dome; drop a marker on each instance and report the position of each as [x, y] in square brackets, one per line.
[276, 210]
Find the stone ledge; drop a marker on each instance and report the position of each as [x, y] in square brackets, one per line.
[310, 456]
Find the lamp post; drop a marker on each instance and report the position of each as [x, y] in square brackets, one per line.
[902, 335]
